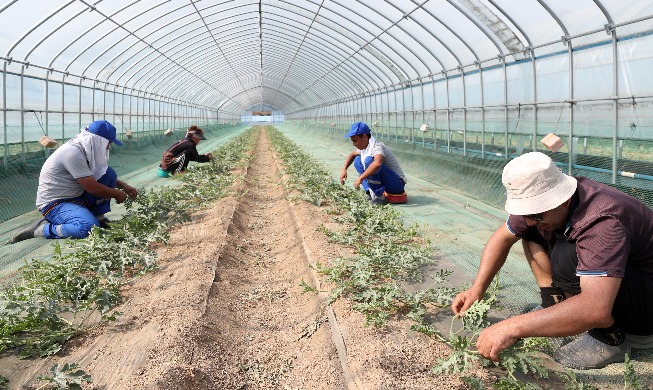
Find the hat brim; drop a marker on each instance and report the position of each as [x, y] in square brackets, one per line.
[546, 201]
[353, 133]
[115, 141]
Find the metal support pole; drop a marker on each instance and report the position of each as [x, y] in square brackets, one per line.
[480, 73]
[79, 107]
[615, 102]
[63, 105]
[92, 102]
[421, 90]
[4, 114]
[571, 109]
[534, 81]
[446, 79]
[505, 102]
[462, 73]
[396, 114]
[435, 115]
[46, 151]
[22, 113]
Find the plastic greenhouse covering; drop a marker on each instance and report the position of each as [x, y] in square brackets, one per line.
[456, 88]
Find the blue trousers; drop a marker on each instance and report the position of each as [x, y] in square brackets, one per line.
[385, 179]
[76, 217]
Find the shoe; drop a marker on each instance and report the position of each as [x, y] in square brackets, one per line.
[640, 342]
[369, 194]
[536, 308]
[378, 200]
[28, 232]
[105, 223]
[586, 352]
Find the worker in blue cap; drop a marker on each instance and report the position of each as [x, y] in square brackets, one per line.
[76, 186]
[378, 168]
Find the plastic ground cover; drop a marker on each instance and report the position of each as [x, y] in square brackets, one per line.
[458, 208]
[457, 202]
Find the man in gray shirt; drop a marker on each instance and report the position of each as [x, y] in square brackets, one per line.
[378, 168]
[76, 186]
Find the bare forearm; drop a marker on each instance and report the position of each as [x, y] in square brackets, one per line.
[371, 169]
[121, 184]
[102, 191]
[349, 160]
[570, 317]
[494, 256]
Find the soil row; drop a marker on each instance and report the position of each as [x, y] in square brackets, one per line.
[227, 309]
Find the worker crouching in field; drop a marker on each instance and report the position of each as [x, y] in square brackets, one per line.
[590, 247]
[378, 168]
[76, 186]
[177, 157]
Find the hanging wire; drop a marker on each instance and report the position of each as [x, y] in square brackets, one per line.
[38, 120]
[121, 121]
[518, 117]
[633, 124]
[560, 115]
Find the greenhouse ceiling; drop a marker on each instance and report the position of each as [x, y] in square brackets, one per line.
[294, 55]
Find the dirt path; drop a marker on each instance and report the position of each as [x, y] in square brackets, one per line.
[226, 310]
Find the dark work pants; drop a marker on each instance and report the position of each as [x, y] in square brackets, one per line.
[633, 307]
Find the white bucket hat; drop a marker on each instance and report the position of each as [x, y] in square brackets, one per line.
[534, 184]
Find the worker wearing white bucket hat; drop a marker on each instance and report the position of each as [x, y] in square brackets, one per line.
[590, 247]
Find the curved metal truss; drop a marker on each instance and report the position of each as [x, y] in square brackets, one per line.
[294, 55]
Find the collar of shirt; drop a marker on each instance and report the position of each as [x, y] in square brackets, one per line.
[368, 150]
[572, 210]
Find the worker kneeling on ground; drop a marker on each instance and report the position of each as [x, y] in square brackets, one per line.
[590, 247]
[76, 186]
[177, 157]
[378, 168]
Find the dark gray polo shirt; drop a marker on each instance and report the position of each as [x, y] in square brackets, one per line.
[610, 230]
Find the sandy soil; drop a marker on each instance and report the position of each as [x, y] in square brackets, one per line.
[226, 310]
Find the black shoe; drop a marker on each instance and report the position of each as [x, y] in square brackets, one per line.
[105, 223]
[378, 200]
[28, 232]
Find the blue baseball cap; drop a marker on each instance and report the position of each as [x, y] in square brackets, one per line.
[105, 130]
[358, 128]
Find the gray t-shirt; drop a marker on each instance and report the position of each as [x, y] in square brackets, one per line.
[389, 159]
[58, 178]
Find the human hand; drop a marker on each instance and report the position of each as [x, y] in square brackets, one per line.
[210, 156]
[358, 183]
[495, 339]
[464, 300]
[121, 196]
[343, 176]
[129, 190]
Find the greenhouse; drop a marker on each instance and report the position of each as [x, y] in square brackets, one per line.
[310, 194]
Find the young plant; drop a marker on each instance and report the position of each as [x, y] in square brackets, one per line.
[54, 297]
[68, 376]
[4, 383]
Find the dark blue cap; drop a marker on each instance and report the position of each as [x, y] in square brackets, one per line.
[105, 130]
[358, 128]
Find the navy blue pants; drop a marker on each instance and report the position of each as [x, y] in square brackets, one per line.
[76, 217]
[385, 179]
[633, 307]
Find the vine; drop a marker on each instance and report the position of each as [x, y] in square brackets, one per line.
[54, 297]
[390, 254]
